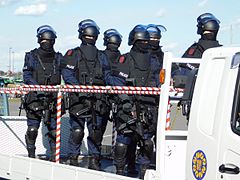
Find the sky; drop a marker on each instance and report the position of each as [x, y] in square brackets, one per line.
[20, 19]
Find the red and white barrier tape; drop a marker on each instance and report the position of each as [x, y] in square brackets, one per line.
[125, 88]
[168, 116]
[40, 86]
[12, 92]
[58, 127]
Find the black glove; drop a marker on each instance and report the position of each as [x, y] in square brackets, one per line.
[41, 95]
[127, 107]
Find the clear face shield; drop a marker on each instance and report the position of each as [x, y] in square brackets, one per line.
[155, 35]
[112, 36]
[204, 18]
[86, 23]
[45, 28]
[111, 32]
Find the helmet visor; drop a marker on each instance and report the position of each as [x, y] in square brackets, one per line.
[86, 23]
[160, 27]
[45, 28]
[112, 32]
[206, 17]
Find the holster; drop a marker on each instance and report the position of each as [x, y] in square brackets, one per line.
[102, 105]
[81, 110]
[34, 110]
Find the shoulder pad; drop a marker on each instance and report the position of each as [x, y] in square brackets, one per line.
[34, 51]
[122, 59]
[69, 52]
[191, 50]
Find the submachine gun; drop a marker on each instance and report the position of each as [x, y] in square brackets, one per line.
[22, 105]
[88, 102]
[47, 101]
[137, 119]
[92, 102]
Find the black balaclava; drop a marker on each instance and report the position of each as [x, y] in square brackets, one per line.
[112, 52]
[154, 44]
[47, 45]
[112, 47]
[89, 41]
[46, 56]
[141, 46]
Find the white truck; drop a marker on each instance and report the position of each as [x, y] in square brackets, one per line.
[208, 150]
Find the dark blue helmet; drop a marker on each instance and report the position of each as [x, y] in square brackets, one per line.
[112, 36]
[88, 27]
[155, 31]
[46, 32]
[139, 32]
[207, 22]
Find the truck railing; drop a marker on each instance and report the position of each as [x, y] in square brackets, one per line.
[162, 113]
[164, 99]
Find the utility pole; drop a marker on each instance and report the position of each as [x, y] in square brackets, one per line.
[10, 52]
[13, 62]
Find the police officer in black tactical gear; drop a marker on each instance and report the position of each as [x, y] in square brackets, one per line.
[137, 114]
[112, 41]
[86, 65]
[155, 33]
[207, 28]
[42, 67]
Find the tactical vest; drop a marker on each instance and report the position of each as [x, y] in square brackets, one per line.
[48, 70]
[89, 72]
[143, 74]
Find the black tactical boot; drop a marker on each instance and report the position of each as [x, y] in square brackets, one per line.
[53, 154]
[94, 163]
[74, 160]
[131, 170]
[120, 170]
[143, 169]
[31, 152]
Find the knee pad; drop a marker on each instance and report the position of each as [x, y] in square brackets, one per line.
[77, 135]
[120, 153]
[148, 147]
[31, 135]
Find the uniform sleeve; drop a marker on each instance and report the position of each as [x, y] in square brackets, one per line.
[192, 52]
[28, 70]
[156, 67]
[109, 78]
[68, 68]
